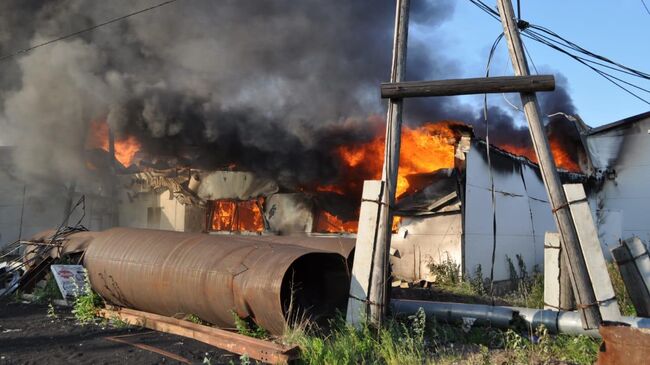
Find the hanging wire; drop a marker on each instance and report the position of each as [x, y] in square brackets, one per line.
[489, 161]
[82, 31]
[595, 62]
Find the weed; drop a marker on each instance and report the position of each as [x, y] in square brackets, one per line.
[448, 276]
[447, 273]
[51, 313]
[86, 304]
[622, 296]
[420, 340]
[249, 328]
[17, 296]
[117, 322]
[244, 359]
[47, 293]
[576, 349]
[194, 319]
[477, 282]
[529, 288]
[398, 342]
[542, 348]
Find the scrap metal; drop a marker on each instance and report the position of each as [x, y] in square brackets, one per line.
[212, 276]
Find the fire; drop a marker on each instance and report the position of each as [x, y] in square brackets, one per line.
[125, 147]
[236, 216]
[329, 223]
[330, 188]
[423, 149]
[562, 158]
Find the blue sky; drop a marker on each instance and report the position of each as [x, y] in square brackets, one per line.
[618, 30]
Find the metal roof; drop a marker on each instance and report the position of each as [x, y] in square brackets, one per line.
[620, 123]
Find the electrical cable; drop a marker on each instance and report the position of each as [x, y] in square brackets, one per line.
[82, 31]
[587, 58]
[489, 162]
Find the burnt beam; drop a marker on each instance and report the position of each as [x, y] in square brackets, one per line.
[480, 85]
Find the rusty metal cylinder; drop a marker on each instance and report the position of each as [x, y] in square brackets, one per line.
[174, 273]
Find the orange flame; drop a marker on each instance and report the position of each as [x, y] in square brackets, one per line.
[125, 147]
[423, 149]
[329, 223]
[239, 216]
[563, 159]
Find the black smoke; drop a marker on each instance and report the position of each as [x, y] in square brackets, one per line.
[270, 86]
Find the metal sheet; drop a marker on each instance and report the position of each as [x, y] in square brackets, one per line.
[522, 216]
[212, 275]
[623, 345]
[424, 240]
[235, 185]
[625, 151]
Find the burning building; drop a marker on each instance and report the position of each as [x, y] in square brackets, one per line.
[238, 122]
[454, 203]
[619, 155]
[444, 209]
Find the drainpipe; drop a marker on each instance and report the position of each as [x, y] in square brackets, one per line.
[504, 317]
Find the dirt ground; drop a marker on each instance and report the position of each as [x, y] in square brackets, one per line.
[28, 336]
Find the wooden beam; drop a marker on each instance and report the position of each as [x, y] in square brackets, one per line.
[480, 85]
[582, 286]
[257, 349]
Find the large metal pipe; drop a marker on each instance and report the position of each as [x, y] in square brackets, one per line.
[170, 273]
[503, 317]
[452, 312]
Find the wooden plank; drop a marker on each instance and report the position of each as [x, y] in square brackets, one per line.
[479, 85]
[257, 349]
[363, 255]
[592, 251]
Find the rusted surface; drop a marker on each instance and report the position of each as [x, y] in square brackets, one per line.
[623, 344]
[212, 275]
[122, 339]
[257, 349]
[342, 245]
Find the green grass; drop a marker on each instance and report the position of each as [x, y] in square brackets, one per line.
[86, 305]
[47, 293]
[528, 287]
[622, 297]
[396, 343]
[249, 328]
[420, 340]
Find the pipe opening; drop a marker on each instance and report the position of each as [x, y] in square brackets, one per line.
[315, 288]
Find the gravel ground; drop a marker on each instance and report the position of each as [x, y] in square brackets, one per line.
[29, 336]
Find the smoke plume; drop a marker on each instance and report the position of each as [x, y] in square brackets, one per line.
[270, 86]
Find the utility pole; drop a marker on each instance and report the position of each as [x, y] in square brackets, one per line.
[378, 295]
[572, 251]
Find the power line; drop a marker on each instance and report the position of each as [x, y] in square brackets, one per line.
[86, 30]
[587, 58]
[645, 6]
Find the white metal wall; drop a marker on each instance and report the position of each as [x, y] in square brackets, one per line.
[522, 213]
[622, 206]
